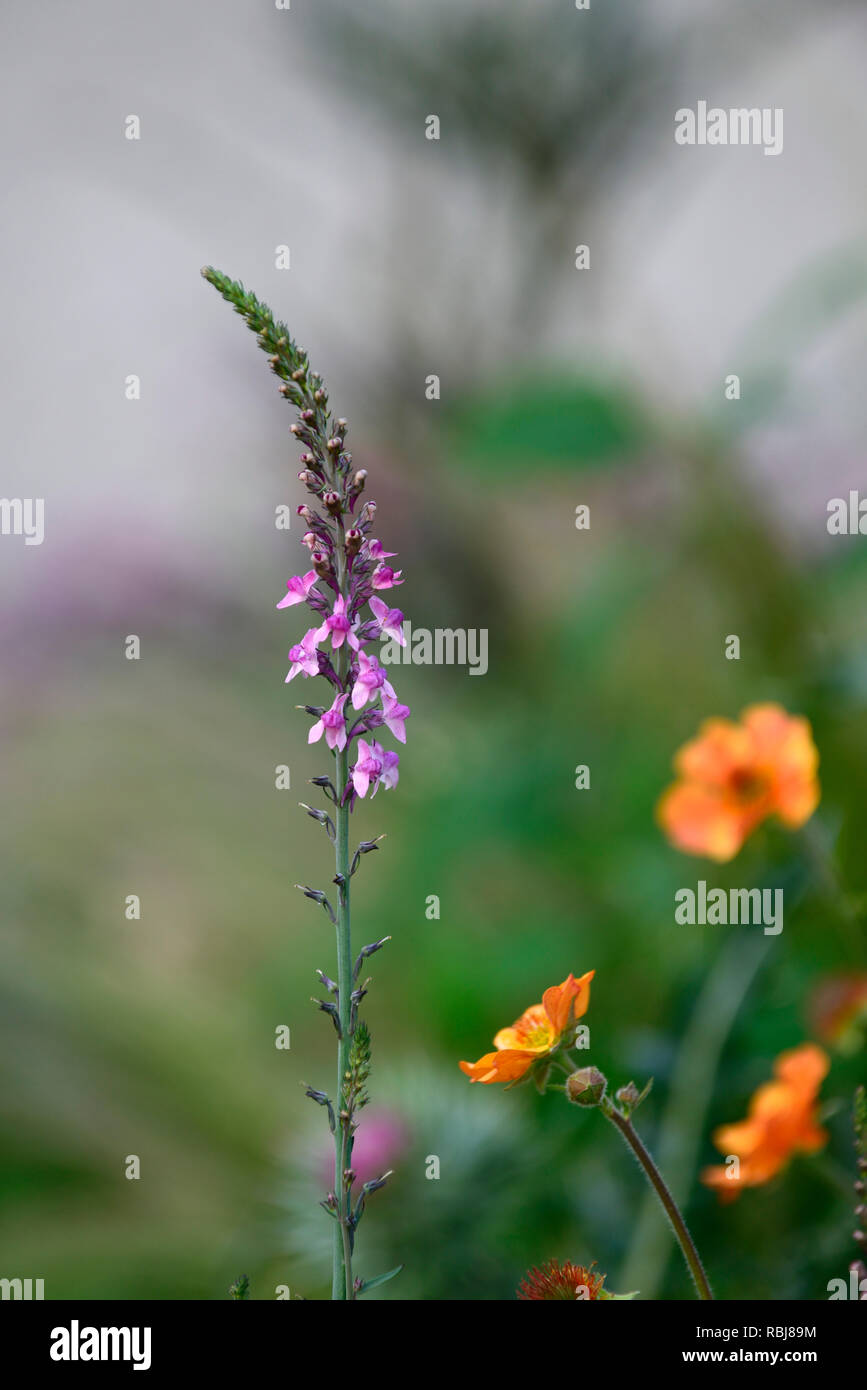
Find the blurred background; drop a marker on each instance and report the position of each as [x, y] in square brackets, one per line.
[410, 257]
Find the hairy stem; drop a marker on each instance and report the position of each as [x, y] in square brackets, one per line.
[657, 1182]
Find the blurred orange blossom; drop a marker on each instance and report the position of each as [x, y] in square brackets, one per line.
[781, 1122]
[838, 1010]
[733, 776]
[536, 1034]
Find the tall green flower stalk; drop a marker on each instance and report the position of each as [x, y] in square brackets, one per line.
[859, 1235]
[347, 561]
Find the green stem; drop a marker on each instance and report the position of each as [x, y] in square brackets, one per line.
[342, 1287]
[657, 1182]
[820, 856]
[685, 1112]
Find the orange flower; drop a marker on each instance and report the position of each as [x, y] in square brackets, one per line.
[781, 1122]
[838, 1010]
[536, 1034]
[733, 776]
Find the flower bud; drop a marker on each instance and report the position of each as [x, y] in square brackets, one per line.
[332, 502]
[353, 540]
[586, 1087]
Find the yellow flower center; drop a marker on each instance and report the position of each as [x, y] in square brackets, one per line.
[540, 1036]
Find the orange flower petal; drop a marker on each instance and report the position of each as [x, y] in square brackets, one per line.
[499, 1066]
[567, 1002]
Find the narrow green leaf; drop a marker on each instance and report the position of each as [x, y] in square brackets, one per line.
[378, 1279]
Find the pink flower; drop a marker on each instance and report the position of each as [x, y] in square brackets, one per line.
[332, 724]
[390, 762]
[377, 553]
[374, 765]
[380, 1142]
[338, 626]
[371, 677]
[390, 620]
[299, 587]
[394, 716]
[384, 577]
[367, 767]
[304, 656]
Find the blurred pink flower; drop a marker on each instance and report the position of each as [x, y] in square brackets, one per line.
[380, 1143]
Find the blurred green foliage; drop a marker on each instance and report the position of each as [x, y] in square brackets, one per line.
[156, 1037]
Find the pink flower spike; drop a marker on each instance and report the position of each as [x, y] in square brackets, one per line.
[384, 577]
[367, 768]
[298, 587]
[390, 620]
[332, 724]
[371, 677]
[377, 553]
[338, 627]
[394, 716]
[304, 656]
